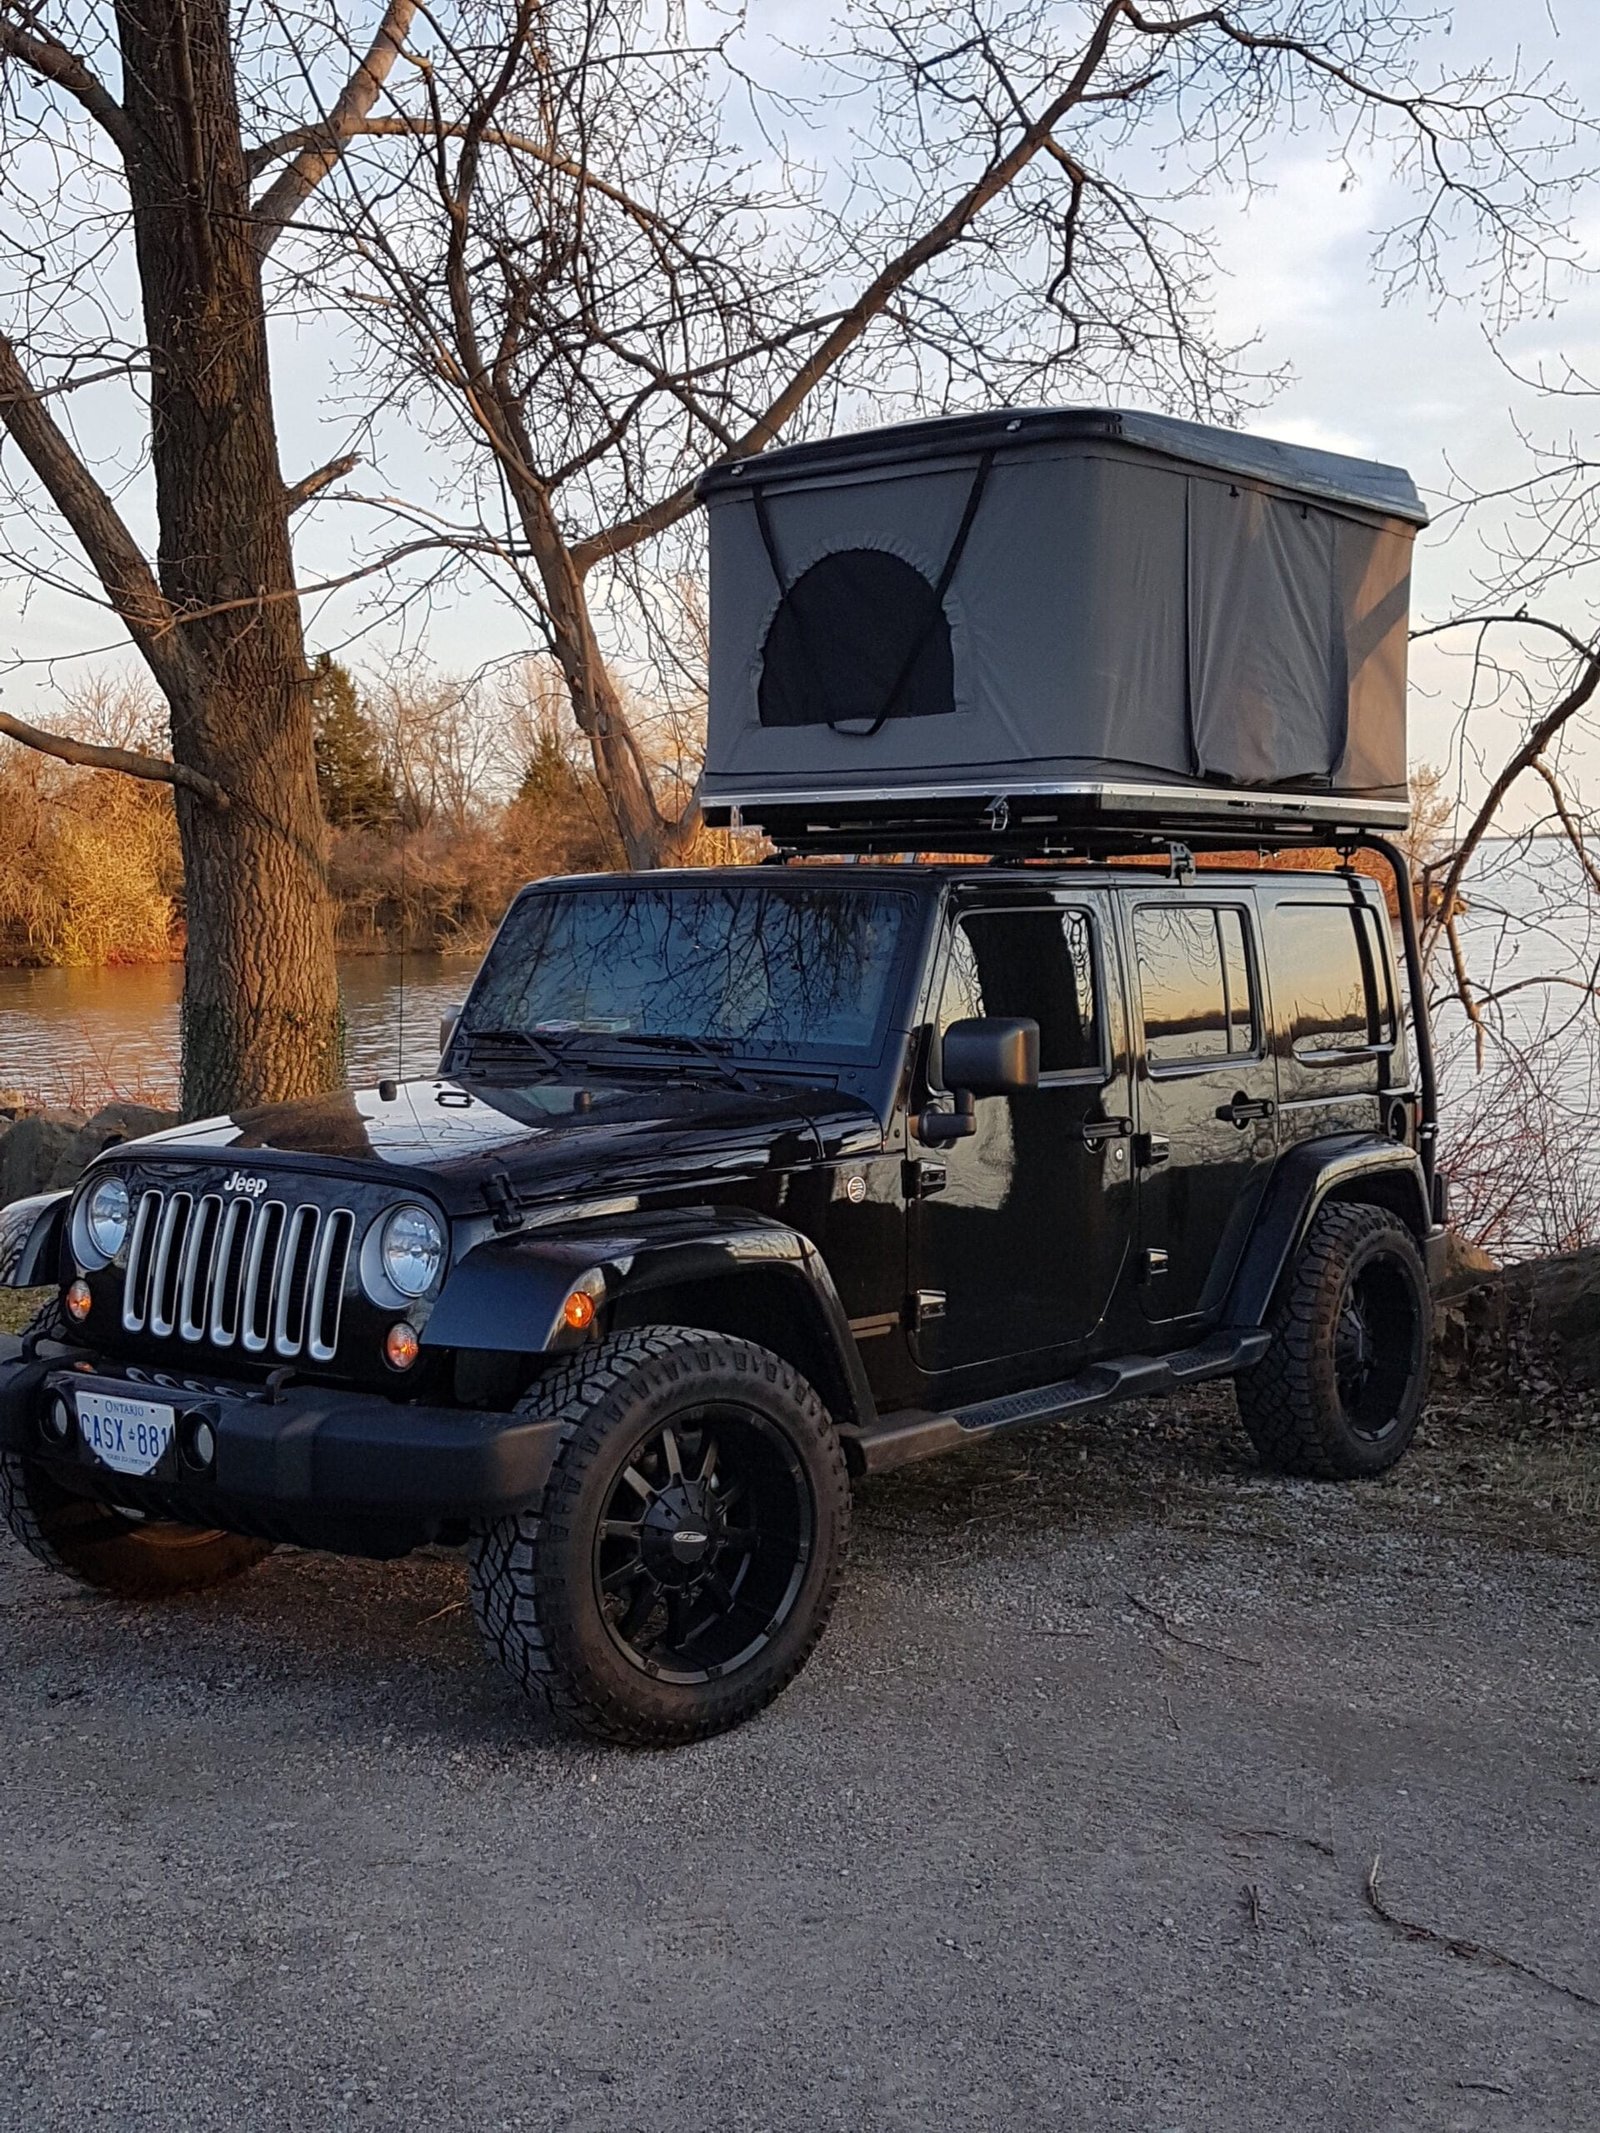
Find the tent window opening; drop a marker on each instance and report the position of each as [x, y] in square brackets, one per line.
[862, 637]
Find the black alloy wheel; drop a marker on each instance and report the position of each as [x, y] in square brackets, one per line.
[703, 1548]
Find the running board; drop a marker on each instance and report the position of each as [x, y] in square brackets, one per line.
[913, 1433]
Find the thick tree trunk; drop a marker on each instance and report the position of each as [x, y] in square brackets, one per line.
[261, 1008]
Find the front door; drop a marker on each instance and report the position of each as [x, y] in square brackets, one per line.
[1206, 1093]
[1017, 1250]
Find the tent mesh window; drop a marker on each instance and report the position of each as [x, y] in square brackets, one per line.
[858, 638]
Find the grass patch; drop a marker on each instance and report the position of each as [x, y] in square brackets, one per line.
[17, 1306]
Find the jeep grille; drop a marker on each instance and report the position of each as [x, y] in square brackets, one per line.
[261, 1275]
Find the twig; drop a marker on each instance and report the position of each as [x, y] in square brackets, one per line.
[1468, 1950]
[1252, 1899]
[1282, 1836]
[1182, 1636]
[1172, 1716]
[439, 1613]
[1490, 2088]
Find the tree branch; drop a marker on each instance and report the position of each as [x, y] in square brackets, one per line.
[129, 761]
[293, 186]
[309, 485]
[1539, 738]
[54, 62]
[114, 554]
[873, 300]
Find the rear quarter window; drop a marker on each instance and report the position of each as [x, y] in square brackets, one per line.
[1333, 996]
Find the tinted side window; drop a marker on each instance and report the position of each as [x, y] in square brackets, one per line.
[1194, 977]
[1334, 977]
[1036, 963]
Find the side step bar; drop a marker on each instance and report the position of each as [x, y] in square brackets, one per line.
[913, 1433]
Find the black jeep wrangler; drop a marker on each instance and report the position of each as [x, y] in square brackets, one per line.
[734, 1185]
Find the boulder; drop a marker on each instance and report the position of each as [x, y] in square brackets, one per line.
[112, 1123]
[33, 1148]
[44, 1151]
[1542, 1314]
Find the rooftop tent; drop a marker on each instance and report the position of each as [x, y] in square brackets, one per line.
[1058, 616]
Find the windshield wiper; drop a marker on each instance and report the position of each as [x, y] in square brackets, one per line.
[644, 1040]
[543, 1051]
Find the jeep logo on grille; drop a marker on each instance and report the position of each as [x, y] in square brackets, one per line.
[242, 1181]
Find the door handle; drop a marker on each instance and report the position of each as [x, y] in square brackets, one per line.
[1150, 1149]
[1245, 1108]
[1098, 1130]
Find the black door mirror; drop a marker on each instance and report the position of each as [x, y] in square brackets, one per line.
[995, 1056]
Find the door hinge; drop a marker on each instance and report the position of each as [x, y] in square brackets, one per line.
[925, 1305]
[919, 1177]
[1150, 1149]
[1155, 1264]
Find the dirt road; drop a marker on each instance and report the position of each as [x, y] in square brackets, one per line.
[1071, 1824]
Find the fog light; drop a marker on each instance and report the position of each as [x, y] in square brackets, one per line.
[58, 1420]
[203, 1444]
[400, 1346]
[578, 1310]
[78, 1300]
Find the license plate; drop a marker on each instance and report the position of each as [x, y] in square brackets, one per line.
[130, 1436]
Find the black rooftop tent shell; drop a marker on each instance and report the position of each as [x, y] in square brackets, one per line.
[1058, 616]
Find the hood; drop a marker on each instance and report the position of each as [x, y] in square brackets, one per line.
[548, 1139]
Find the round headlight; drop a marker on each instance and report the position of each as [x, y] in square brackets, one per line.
[106, 1214]
[412, 1250]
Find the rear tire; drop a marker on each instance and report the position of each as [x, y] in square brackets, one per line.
[687, 1552]
[1338, 1395]
[115, 1551]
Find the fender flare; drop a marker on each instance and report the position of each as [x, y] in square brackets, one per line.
[509, 1294]
[31, 1231]
[1303, 1181]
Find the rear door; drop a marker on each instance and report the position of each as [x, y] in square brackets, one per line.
[1206, 1091]
[1017, 1249]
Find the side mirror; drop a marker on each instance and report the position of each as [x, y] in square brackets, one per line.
[447, 1025]
[997, 1056]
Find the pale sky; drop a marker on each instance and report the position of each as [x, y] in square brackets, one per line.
[1397, 382]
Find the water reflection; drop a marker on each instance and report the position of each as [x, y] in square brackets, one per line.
[73, 1035]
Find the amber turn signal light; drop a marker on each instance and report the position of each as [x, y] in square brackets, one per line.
[578, 1310]
[78, 1301]
[400, 1345]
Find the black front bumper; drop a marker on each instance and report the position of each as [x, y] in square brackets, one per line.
[349, 1471]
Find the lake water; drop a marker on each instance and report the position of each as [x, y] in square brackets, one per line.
[71, 1035]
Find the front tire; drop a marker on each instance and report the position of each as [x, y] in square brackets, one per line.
[117, 1552]
[687, 1552]
[1338, 1395]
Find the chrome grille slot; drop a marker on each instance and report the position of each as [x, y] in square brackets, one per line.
[260, 1276]
[166, 1261]
[255, 1274]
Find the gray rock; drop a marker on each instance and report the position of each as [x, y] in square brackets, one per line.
[32, 1150]
[109, 1125]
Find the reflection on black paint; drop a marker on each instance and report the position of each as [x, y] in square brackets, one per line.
[1194, 978]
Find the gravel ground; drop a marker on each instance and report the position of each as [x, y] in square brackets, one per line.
[1070, 1824]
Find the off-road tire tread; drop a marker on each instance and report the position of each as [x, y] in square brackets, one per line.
[120, 1565]
[523, 1629]
[1279, 1399]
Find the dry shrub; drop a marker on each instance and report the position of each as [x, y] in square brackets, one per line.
[90, 870]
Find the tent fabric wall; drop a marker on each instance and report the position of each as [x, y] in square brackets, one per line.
[1117, 611]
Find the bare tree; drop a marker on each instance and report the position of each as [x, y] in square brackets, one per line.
[590, 252]
[122, 150]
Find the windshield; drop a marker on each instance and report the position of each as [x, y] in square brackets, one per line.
[761, 969]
